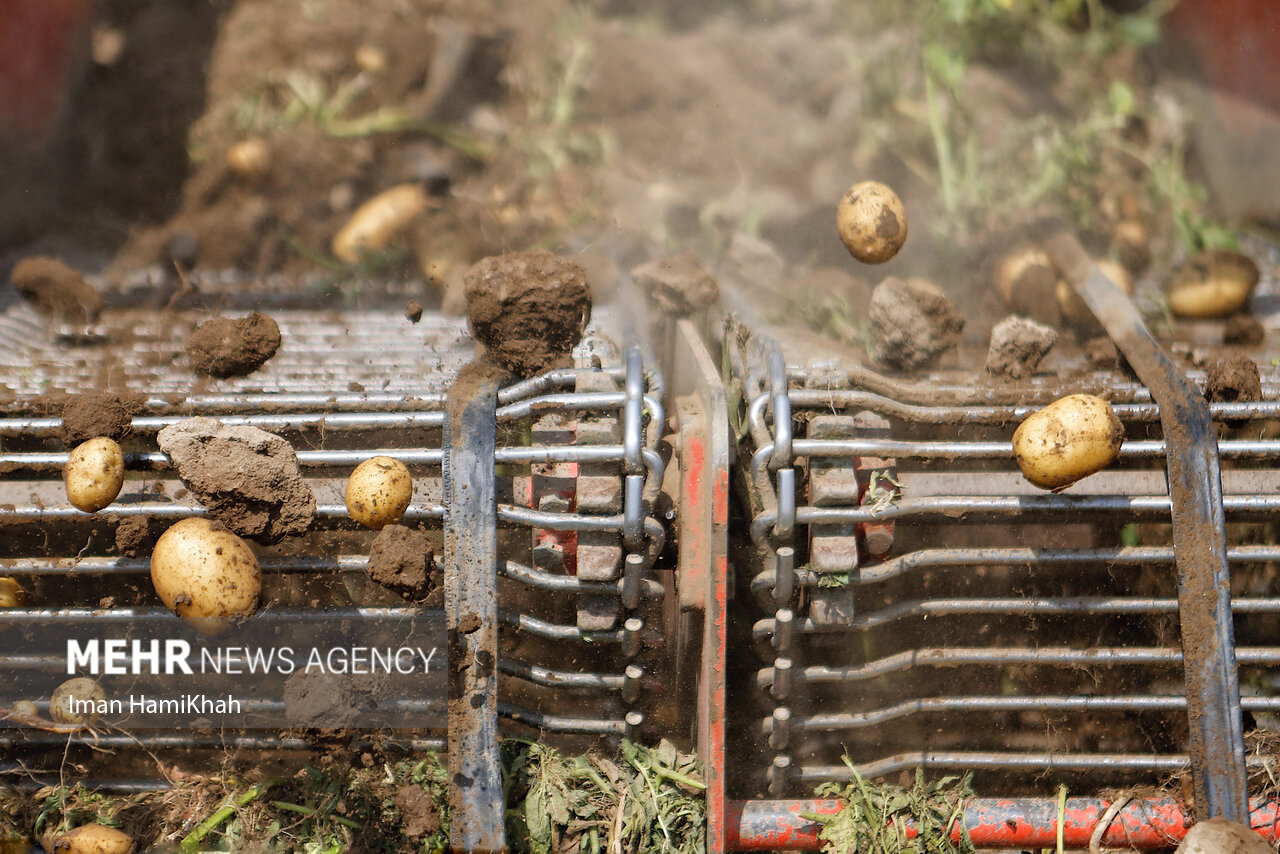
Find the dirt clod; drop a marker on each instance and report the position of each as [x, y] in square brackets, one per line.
[1233, 378]
[913, 323]
[224, 347]
[401, 560]
[56, 290]
[1243, 330]
[1102, 354]
[1222, 836]
[325, 700]
[678, 285]
[417, 811]
[527, 308]
[1017, 346]
[131, 536]
[92, 414]
[413, 311]
[248, 478]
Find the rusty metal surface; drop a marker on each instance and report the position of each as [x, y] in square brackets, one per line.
[471, 613]
[1021, 823]
[1199, 535]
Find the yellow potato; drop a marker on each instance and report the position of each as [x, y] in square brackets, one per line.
[1027, 279]
[872, 222]
[249, 158]
[11, 593]
[94, 474]
[89, 839]
[1214, 283]
[1071, 438]
[378, 492]
[1074, 309]
[26, 708]
[206, 575]
[376, 223]
[65, 705]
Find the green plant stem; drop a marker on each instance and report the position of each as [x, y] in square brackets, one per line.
[308, 811]
[191, 842]
[941, 144]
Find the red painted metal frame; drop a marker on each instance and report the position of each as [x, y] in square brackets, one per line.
[704, 570]
[1144, 824]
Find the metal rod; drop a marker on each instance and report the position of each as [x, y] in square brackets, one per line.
[471, 612]
[1037, 656]
[1216, 742]
[949, 705]
[1022, 823]
[1013, 607]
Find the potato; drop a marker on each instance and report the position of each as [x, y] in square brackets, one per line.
[94, 474]
[26, 708]
[872, 222]
[249, 158]
[378, 492]
[11, 593]
[1213, 283]
[1071, 438]
[1131, 244]
[1027, 279]
[377, 222]
[65, 703]
[206, 575]
[1074, 308]
[89, 839]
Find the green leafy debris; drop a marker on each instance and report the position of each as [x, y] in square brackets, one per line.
[879, 818]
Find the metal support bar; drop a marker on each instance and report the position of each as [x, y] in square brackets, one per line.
[471, 611]
[1026, 823]
[1216, 743]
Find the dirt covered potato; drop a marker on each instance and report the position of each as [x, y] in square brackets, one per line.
[65, 702]
[1029, 283]
[206, 575]
[89, 839]
[378, 492]
[94, 474]
[1214, 283]
[11, 593]
[1070, 439]
[872, 222]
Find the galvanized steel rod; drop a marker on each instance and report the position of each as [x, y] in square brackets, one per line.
[471, 611]
[1216, 742]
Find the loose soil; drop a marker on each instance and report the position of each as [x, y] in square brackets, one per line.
[56, 290]
[418, 811]
[91, 414]
[528, 309]
[1243, 330]
[402, 561]
[132, 536]
[326, 701]
[1233, 378]
[247, 478]
[224, 347]
[913, 322]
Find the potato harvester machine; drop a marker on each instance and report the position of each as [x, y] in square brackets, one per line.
[720, 532]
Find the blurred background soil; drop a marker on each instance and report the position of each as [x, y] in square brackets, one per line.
[620, 131]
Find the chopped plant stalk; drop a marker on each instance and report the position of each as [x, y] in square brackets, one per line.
[308, 811]
[876, 818]
[191, 842]
[882, 491]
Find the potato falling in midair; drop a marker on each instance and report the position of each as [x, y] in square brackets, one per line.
[1070, 439]
[872, 222]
